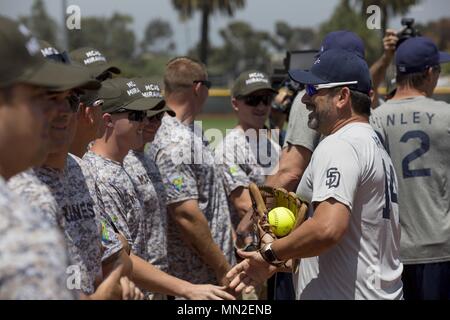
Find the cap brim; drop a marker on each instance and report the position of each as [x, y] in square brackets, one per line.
[162, 108]
[140, 104]
[305, 77]
[444, 57]
[61, 77]
[100, 69]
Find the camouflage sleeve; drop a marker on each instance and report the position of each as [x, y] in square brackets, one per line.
[234, 175]
[110, 242]
[112, 210]
[180, 181]
[33, 260]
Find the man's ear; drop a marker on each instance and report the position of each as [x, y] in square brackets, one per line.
[90, 115]
[343, 97]
[234, 104]
[108, 120]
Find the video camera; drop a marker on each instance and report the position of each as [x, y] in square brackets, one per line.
[301, 59]
[408, 30]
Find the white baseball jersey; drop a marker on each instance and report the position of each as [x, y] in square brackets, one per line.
[353, 167]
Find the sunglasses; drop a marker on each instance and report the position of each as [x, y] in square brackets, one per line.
[157, 117]
[312, 89]
[254, 101]
[133, 115]
[206, 83]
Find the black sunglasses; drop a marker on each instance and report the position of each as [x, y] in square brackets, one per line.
[133, 115]
[156, 117]
[206, 83]
[254, 100]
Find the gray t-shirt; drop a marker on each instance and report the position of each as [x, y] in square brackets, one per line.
[33, 259]
[243, 159]
[416, 133]
[67, 199]
[148, 182]
[187, 167]
[298, 133]
[119, 201]
[352, 167]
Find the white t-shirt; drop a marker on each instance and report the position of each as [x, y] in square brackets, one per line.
[352, 167]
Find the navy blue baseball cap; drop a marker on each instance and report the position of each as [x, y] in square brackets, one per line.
[337, 66]
[418, 54]
[345, 40]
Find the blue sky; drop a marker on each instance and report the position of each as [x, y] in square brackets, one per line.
[261, 14]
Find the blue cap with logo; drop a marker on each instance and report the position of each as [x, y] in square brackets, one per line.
[418, 54]
[345, 40]
[337, 66]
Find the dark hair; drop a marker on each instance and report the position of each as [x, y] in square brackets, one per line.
[415, 80]
[361, 102]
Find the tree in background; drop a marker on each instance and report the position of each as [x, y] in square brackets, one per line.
[113, 36]
[289, 38]
[244, 48]
[158, 37]
[438, 31]
[389, 8]
[186, 9]
[42, 25]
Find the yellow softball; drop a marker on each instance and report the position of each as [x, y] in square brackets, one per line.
[282, 220]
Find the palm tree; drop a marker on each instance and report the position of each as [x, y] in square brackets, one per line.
[207, 7]
[388, 8]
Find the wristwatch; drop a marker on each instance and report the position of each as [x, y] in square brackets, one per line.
[270, 257]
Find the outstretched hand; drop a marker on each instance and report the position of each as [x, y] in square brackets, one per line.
[208, 292]
[253, 270]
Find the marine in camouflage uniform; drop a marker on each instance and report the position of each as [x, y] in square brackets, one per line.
[187, 167]
[122, 206]
[244, 161]
[148, 182]
[33, 259]
[68, 199]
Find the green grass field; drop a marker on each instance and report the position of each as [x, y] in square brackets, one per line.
[220, 122]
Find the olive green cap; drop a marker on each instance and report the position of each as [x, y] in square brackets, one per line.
[22, 62]
[122, 93]
[251, 81]
[94, 60]
[152, 91]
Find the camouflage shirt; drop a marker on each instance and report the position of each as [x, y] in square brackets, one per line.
[119, 200]
[146, 178]
[33, 259]
[67, 198]
[188, 171]
[245, 159]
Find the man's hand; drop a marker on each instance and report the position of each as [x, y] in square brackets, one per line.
[117, 287]
[129, 290]
[207, 292]
[390, 42]
[250, 272]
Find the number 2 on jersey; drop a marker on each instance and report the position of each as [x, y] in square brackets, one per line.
[389, 193]
[424, 147]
